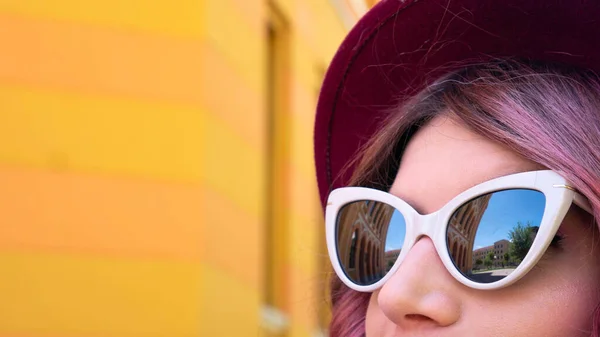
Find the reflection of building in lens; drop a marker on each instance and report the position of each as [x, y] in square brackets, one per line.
[390, 258]
[462, 229]
[499, 252]
[363, 227]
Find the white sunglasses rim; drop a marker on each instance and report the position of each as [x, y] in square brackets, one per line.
[559, 197]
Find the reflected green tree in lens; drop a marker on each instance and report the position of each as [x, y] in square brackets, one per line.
[489, 260]
[521, 238]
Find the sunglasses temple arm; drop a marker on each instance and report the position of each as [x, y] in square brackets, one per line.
[582, 202]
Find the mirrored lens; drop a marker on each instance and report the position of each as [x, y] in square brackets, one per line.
[369, 238]
[489, 236]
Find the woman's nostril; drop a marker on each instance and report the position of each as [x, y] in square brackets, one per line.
[417, 318]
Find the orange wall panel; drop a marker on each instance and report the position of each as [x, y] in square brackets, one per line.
[240, 41]
[304, 194]
[76, 296]
[60, 211]
[233, 167]
[305, 296]
[99, 60]
[133, 166]
[233, 240]
[231, 99]
[304, 230]
[66, 131]
[160, 16]
[229, 306]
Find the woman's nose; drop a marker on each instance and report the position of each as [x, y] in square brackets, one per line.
[421, 292]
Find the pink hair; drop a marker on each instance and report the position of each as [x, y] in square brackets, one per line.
[546, 113]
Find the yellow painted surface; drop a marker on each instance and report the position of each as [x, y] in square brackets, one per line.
[233, 167]
[305, 297]
[287, 8]
[305, 96]
[304, 230]
[48, 129]
[134, 167]
[233, 239]
[303, 123]
[229, 306]
[304, 192]
[81, 213]
[160, 16]
[93, 59]
[326, 21]
[305, 75]
[240, 43]
[47, 294]
[229, 97]
[252, 12]
[298, 330]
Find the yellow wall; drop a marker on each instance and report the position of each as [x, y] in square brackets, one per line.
[132, 167]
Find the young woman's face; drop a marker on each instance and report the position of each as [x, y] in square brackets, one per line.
[556, 298]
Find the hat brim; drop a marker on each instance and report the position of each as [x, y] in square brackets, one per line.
[399, 46]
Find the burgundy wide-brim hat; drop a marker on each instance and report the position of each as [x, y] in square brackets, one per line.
[400, 45]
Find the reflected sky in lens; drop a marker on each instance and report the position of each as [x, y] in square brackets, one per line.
[502, 214]
[505, 210]
[395, 236]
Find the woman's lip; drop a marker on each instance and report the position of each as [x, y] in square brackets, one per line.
[415, 325]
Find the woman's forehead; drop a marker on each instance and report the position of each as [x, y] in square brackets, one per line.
[445, 158]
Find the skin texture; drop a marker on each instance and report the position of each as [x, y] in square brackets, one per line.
[556, 298]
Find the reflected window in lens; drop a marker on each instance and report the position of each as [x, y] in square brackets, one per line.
[369, 237]
[489, 236]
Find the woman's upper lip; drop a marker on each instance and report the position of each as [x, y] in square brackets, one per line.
[415, 325]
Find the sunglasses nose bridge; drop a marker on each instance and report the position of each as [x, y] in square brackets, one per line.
[427, 225]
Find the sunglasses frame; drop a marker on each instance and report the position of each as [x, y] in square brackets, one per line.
[559, 197]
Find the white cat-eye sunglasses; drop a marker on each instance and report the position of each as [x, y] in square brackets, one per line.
[487, 237]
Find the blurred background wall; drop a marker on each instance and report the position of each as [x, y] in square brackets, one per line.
[156, 174]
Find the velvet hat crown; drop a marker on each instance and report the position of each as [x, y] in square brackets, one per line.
[400, 45]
